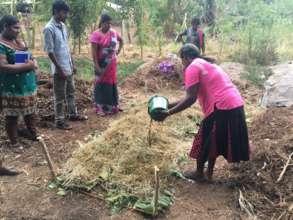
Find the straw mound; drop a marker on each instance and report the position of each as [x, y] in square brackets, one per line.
[149, 77]
[122, 156]
[272, 136]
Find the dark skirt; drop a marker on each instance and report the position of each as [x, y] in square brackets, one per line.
[224, 132]
[106, 94]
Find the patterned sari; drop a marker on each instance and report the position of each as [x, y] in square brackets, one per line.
[17, 91]
[105, 91]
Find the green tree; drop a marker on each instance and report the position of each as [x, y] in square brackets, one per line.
[82, 14]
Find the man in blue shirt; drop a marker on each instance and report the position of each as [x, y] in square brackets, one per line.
[63, 68]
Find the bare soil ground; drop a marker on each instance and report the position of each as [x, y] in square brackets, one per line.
[27, 197]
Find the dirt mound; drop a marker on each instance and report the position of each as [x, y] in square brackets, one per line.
[250, 92]
[235, 71]
[270, 193]
[151, 78]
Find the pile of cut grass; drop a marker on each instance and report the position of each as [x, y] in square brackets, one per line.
[121, 159]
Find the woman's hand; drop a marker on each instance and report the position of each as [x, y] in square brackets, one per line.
[99, 71]
[162, 115]
[118, 51]
[32, 64]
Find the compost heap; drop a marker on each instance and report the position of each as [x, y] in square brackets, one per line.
[151, 78]
[272, 136]
[121, 158]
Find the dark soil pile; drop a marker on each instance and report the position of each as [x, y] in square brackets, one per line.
[270, 195]
[45, 106]
[152, 79]
[83, 96]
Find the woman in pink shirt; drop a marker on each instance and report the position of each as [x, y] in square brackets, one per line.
[104, 42]
[223, 131]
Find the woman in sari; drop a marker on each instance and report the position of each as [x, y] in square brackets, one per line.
[17, 82]
[104, 43]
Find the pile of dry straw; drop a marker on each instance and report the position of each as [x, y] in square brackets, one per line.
[122, 156]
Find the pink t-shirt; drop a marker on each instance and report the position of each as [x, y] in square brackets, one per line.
[215, 87]
[104, 42]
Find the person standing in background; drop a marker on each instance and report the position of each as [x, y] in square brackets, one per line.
[104, 43]
[18, 87]
[194, 35]
[63, 68]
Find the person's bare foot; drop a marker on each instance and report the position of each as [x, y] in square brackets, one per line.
[194, 175]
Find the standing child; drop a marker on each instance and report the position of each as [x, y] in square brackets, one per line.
[194, 35]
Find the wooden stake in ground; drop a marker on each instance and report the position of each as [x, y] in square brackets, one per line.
[285, 168]
[48, 158]
[150, 134]
[157, 191]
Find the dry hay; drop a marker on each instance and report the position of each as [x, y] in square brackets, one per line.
[272, 136]
[149, 77]
[122, 157]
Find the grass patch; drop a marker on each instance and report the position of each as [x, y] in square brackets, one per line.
[44, 64]
[127, 68]
[257, 74]
[85, 69]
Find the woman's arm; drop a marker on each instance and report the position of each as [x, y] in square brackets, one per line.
[121, 43]
[173, 104]
[203, 49]
[15, 68]
[190, 99]
[98, 69]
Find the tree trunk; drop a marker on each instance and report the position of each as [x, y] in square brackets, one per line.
[141, 50]
[79, 44]
[33, 40]
[210, 12]
[74, 45]
[128, 31]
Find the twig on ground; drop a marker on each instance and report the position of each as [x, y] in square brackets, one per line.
[246, 206]
[289, 125]
[48, 157]
[285, 168]
[92, 196]
[270, 202]
[281, 216]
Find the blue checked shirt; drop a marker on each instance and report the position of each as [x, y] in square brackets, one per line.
[56, 42]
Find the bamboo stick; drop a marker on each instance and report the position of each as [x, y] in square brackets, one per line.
[48, 158]
[157, 190]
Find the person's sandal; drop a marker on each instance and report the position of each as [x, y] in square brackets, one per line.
[25, 133]
[16, 148]
[63, 126]
[100, 112]
[193, 175]
[7, 172]
[78, 118]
